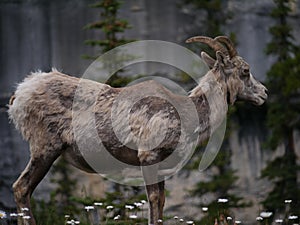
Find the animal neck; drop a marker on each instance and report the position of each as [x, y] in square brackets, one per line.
[214, 89]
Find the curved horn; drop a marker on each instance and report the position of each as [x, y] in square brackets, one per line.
[228, 43]
[215, 45]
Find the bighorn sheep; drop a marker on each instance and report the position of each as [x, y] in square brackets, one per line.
[41, 109]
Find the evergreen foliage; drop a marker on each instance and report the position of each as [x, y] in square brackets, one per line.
[283, 82]
[110, 25]
[112, 29]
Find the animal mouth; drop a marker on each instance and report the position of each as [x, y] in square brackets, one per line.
[259, 100]
[255, 100]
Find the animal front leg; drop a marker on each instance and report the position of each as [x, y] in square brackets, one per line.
[34, 172]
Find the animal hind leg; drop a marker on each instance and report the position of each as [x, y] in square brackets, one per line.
[153, 198]
[149, 165]
[34, 172]
[152, 190]
[161, 200]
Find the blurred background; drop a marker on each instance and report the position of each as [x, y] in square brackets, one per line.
[254, 179]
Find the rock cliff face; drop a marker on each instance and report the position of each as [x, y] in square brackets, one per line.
[43, 34]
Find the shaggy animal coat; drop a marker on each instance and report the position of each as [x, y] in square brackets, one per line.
[43, 104]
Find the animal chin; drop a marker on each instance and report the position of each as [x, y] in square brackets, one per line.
[258, 100]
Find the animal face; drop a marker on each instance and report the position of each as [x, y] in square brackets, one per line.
[241, 84]
[233, 69]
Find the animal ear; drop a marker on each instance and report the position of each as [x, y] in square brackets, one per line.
[221, 57]
[208, 60]
[224, 62]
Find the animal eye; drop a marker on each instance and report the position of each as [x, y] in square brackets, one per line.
[246, 71]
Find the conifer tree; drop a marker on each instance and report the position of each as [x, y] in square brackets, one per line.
[112, 30]
[110, 25]
[283, 82]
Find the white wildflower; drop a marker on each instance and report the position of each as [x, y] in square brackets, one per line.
[98, 203]
[279, 221]
[89, 207]
[21, 214]
[229, 218]
[26, 217]
[190, 222]
[13, 214]
[143, 201]
[259, 218]
[2, 214]
[175, 217]
[238, 222]
[24, 209]
[109, 207]
[72, 222]
[204, 209]
[287, 201]
[222, 200]
[138, 204]
[159, 221]
[133, 216]
[181, 220]
[266, 214]
[130, 207]
[67, 216]
[117, 217]
[292, 217]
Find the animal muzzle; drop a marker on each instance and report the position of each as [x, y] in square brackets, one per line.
[261, 96]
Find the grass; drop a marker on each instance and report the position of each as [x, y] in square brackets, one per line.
[101, 213]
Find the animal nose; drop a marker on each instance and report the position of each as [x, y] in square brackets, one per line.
[266, 91]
